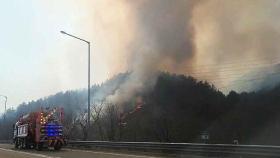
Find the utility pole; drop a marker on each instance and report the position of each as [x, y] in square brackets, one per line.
[6, 99]
[88, 119]
[88, 108]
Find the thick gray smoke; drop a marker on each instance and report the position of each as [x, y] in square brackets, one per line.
[164, 27]
[163, 38]
[181, 35]
[242, 32]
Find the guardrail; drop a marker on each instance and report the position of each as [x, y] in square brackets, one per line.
[5, 141]
[187, 148]
[223, 150]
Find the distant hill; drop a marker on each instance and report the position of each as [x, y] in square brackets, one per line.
[177, 109]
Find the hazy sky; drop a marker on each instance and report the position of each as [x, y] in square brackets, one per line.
[36, 60]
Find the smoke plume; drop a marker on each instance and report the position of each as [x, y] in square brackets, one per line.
[181, 35]
[163, 38]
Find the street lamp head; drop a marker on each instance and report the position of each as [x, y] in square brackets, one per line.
[62, 32]
[4, 96]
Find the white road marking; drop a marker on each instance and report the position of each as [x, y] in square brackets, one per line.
[26, 153]
[113, 154]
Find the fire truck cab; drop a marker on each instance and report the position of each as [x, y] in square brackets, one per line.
[40, 129]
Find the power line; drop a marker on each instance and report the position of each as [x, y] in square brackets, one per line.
[230, 76]
[252, 79]
[235, 70]
[234, 63]
[240, 67]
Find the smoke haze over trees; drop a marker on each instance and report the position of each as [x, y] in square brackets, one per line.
[181, 36]
[178, 36]
[177, 109]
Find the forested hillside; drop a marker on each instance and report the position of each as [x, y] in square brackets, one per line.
[177, 109]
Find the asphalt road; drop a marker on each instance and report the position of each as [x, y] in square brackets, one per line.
[7, 151]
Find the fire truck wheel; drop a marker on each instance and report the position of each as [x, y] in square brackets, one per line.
[24, 144]
[21, 144]
[27, 146]
[16, 143]
[57, 146]
[39, 146]
[31, 146]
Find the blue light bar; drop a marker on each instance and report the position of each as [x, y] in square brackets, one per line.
[54, 126]
[52, 134]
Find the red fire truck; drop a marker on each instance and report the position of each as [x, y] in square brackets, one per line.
[40, 129]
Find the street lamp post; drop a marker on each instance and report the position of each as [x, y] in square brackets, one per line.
[88, 110]
[6, 99]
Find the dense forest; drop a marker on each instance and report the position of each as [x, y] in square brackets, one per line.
[177, 109]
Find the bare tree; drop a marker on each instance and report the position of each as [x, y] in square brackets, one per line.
[96, 117]
[81, 121]
[111, 121]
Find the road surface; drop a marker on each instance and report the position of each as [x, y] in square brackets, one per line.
[7, 151]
